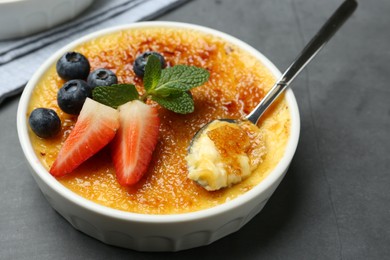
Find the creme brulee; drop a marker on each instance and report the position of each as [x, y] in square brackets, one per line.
[237, 83]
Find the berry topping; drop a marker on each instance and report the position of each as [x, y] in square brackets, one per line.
[95, 128]
[44, 122]
[72, 94]
[102, 77]
[141, 60]
[133, 145]
[73, 65]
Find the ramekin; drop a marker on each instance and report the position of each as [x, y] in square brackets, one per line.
[155, 232]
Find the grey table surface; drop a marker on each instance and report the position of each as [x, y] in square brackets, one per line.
[334, 201]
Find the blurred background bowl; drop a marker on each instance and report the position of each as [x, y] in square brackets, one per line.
[20, 18]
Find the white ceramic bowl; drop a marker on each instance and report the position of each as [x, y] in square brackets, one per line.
[24, 17]
[155, 232]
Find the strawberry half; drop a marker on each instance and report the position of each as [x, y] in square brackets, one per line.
[95, 128]
[133, 145]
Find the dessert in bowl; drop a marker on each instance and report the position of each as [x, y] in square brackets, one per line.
[164, 210]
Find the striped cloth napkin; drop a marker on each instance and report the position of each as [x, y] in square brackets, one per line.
[20, 58]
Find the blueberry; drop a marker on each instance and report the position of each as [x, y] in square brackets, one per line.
[102, 77]
[72, 95]
[44, 122]
[73, 65]
[140, 62]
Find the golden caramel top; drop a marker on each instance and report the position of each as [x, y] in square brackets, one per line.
[237, 83]
[229, 140]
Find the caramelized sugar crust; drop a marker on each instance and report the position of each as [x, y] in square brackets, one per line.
[230, 143]
[229, 140]
[237, 83]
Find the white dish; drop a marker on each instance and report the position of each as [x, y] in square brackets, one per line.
[25, 17]
[155, 232]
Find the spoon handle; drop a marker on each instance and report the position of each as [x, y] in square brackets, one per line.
[308, 53]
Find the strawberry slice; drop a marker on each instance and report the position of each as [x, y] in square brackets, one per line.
[95, 128]
[133, 145]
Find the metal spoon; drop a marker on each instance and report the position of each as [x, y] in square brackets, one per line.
[308, 53]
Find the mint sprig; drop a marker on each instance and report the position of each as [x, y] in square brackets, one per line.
[168, 87]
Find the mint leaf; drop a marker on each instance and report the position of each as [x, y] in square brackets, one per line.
[181, 77]
[115, 95]
[152, 72]
[181, 103]
[165, 92]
